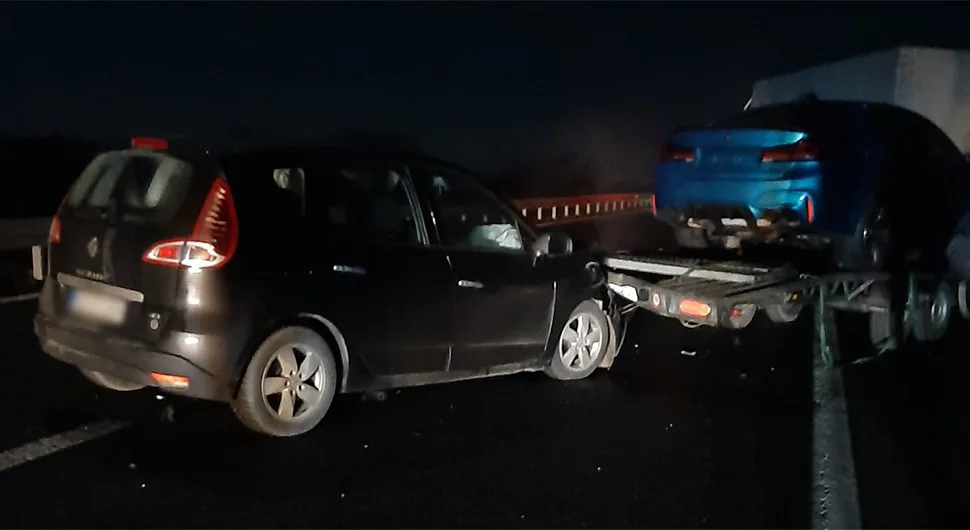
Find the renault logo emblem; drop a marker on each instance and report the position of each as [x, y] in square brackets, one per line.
[93, 247]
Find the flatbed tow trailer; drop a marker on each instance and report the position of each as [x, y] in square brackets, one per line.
[728, 294]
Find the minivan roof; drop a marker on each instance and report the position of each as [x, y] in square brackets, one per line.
[190, 147]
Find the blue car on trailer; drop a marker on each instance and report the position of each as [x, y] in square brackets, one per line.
[850, 177]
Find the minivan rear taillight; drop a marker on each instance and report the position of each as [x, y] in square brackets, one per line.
[54, 234]
[213, 239]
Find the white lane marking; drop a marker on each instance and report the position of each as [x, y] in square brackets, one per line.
[58, 442]
[835, 494]
[19, 298]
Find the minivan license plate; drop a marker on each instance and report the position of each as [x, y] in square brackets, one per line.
[97, 307]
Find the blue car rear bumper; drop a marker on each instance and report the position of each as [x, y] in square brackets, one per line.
[758, 197]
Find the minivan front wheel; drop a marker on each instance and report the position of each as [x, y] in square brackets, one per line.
[582, 343]
[289, 384]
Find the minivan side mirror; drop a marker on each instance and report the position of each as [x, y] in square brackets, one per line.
[552, 244]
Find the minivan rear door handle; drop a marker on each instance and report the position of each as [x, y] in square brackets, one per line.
[348, 269]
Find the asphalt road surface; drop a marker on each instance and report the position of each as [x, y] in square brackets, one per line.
[720, 438]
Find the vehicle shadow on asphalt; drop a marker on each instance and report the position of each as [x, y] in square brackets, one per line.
[910, 433]
[754, 391]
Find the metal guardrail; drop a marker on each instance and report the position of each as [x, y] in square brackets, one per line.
[28, 232]
[546, 211]
[549, 211]
[23, 233]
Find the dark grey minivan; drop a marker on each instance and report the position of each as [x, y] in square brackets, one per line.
[275, 278]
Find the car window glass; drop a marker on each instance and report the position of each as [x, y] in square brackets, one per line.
[467, 216]
[143, 185]
[357, 201]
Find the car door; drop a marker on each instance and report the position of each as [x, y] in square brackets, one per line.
[503, 304]
[372, 271]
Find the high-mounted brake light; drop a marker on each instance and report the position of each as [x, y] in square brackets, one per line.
[675, 153]
[144, 142]
[54, 235]
[213, 240]
[799, 151]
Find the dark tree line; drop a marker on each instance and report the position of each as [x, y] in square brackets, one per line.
[36, 172]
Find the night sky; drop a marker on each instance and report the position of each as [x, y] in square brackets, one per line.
[481, 83]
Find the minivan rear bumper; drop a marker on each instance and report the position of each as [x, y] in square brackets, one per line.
[127, 360]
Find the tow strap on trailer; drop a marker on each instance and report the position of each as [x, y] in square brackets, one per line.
[826, 341]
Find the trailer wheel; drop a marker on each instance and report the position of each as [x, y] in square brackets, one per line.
[784, 313]
[962, 300]
[881, 330]
[932, 314]
[740, 316]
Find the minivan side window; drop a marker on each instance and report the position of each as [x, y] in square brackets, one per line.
[466, 216]
[369, 202]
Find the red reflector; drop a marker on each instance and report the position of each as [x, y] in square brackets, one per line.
[797, 152]
[809, 209]
[653, 204]
[176, 381]
[674, 153]
[144, 142]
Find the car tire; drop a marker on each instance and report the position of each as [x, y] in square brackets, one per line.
[784, 313]
[694, 238]
[289, 384]
[581, 345]
[868, 249]
[110, 382]
[931, 317]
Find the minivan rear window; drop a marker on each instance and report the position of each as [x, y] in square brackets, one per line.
[140, 185]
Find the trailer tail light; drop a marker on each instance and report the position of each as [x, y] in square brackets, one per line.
[653, 204]
[800, 151]
[809, 209]
[693, 308]
[675, 153]
[213, 240]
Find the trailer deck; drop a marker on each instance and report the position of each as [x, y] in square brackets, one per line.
[728, 294]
